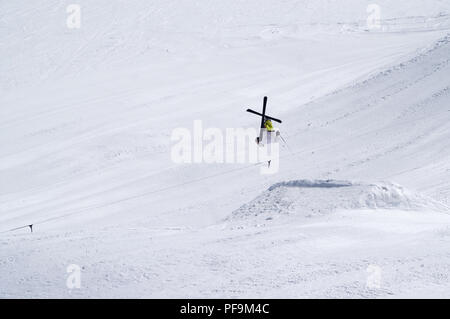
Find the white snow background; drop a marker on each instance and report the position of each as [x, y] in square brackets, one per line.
[359, 208]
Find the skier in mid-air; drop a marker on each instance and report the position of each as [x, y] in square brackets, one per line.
[266, 123]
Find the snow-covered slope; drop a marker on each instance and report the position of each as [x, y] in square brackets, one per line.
[391, 125]
[86, 117]
[318, 248]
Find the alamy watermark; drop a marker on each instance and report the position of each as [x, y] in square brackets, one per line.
[73, 20]
[73, 281]
[230, 146]
[374, 18]
[373, 280]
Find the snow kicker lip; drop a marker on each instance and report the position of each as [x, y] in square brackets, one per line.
[329, 183]
[314, 198]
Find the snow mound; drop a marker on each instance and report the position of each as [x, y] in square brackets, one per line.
[309, 198]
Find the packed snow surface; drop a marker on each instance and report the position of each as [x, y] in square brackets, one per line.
[358, 209]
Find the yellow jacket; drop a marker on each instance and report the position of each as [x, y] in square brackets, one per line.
[268, 125]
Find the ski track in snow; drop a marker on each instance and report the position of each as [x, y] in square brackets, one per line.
[86, 117]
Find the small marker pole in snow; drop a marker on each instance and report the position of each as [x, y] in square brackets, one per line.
[31, 227]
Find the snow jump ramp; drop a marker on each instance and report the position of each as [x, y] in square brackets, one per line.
[310, 198]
